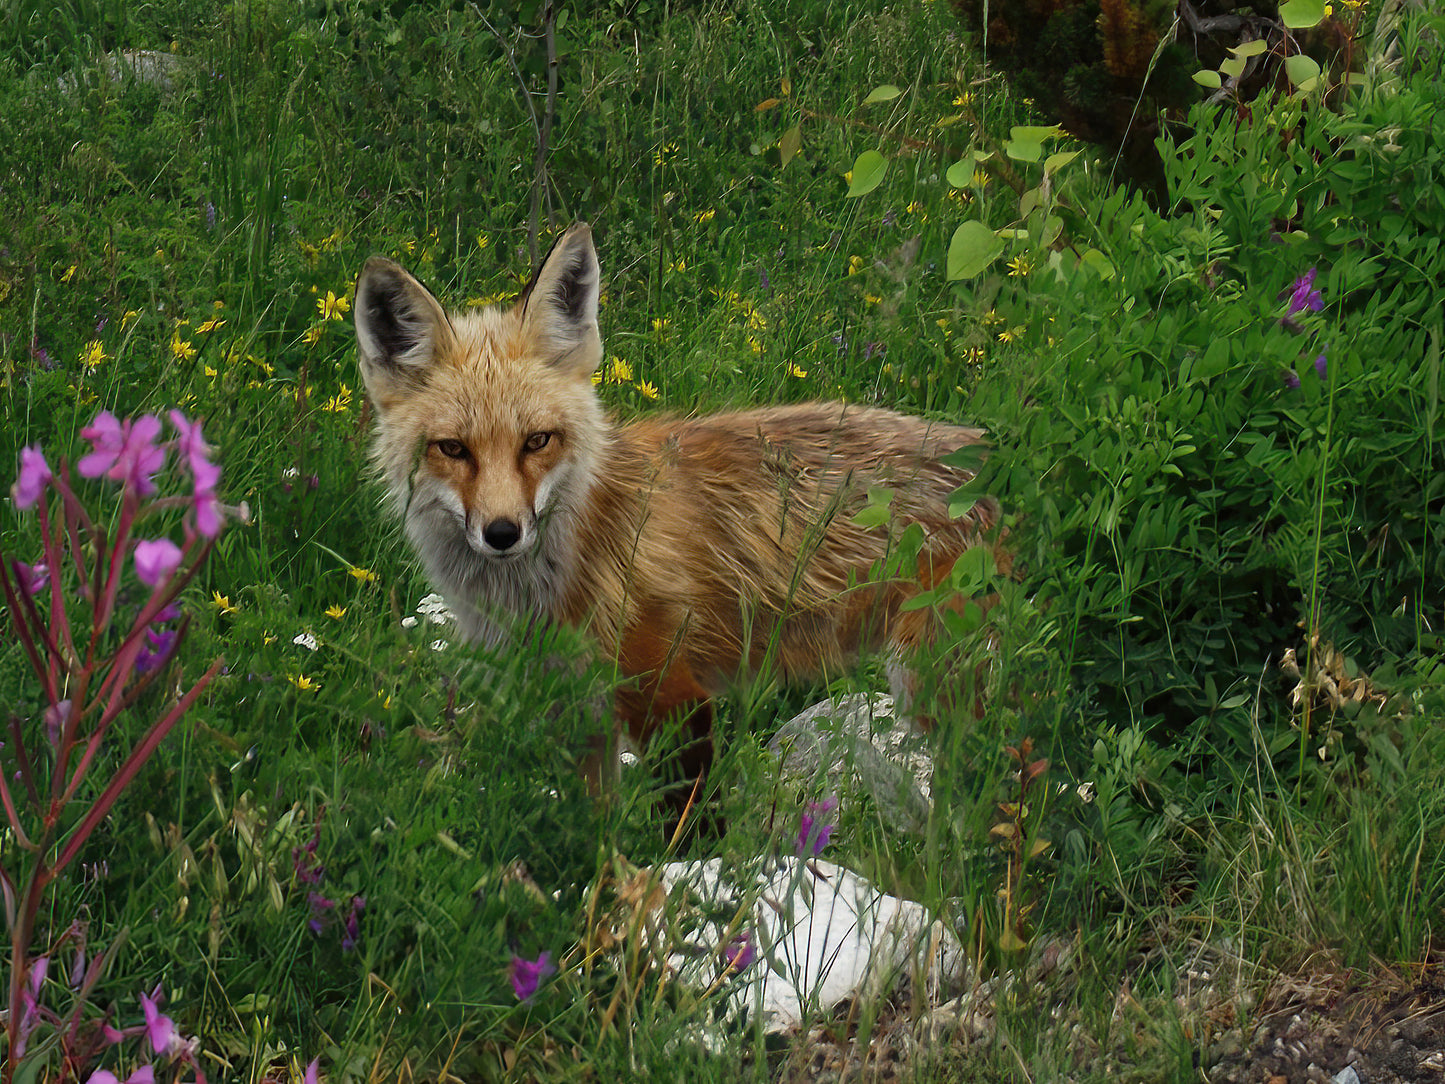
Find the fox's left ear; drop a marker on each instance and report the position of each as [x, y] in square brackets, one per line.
[559, 306]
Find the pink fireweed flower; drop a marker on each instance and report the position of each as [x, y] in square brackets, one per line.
[204, 499]
[189, 442]
[311, 1072]
[527, 975]
[155, 560]
[146, 1074]
[124, 452]
[30, 578]
[738, 953]
[34, 477]
[160, 1029]
[813, 836]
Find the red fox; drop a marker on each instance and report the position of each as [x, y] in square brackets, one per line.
[692, 549]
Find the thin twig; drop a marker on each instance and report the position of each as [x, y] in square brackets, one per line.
[541, 183]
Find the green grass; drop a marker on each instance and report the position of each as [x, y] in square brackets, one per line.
[1179, 515]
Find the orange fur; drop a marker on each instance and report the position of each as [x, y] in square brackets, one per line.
[692, 549]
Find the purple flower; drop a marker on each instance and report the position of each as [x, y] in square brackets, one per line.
[124, 452]
[1321, 365]
[311, 1070]
[352, 927]
[30, 578]
[159, 1028]
[146, 1074]
[813, 835]
[527, 975]
[320, 908]
[1291, 379]
[55, 718]
[738, 953]
[34, 477]
[204, 500]
[160, 642]
[189, 442]
[155, 560]
[1302, 294]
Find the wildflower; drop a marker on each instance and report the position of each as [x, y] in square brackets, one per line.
[320, 907]
[872, 299]
[351, 928]
[659, 325]
[813, 836]
[1321, 366]
[34, 477]
[527, 975]
[335, 611]
[914, 208]
[124, 452]
[332, 307]
[365, 575]
[738, 953]
[648, 389]
[30, 578]
[160, 641]
[302, 682]
[704, 216]
[311, 1071]
[1019, 266]
[794, 371]
[855, 264]
[155, 560]
[1291, 379]
[93, 354]
[181, 349]
[964, 99]
[159, 1028]
[312, 335]
[129, 317]
[208, 325]
[69, 273]
[222, 603]
[664, 154]
[483, 240]
[1010, 334]
[1302, 294]
[306, 640]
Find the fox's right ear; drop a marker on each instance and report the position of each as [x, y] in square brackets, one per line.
[400, 326]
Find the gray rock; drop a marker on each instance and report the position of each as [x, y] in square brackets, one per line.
[860, 740]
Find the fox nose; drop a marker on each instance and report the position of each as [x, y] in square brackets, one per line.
[502, 534]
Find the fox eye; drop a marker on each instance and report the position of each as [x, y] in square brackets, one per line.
[536, 442]
[452, 449]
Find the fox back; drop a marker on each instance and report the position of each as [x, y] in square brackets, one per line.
[693, 549]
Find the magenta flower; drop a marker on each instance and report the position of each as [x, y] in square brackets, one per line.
[1302, 294]
[1291, 379]
[189, 442]
[160, 642]
[55, 718]
[159, 1028]
[813, 836]
[124, 452]
[204, 500]
[527, 975]
[311, 1071]
[738, 953]
[146, 1074]
[31, 578]
[352, 928]
[34, 477]
[155, 560]
[1321, 365]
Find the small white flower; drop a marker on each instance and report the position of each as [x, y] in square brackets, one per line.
[408, 622]
[290, 472]
[439, 645]
[307, 641]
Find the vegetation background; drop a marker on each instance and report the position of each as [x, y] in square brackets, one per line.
[1227, 510]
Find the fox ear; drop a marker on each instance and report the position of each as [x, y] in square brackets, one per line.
[559, 306]
[400, 326]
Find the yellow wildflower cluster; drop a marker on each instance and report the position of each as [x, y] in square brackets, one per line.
[332, 307]
[704, 216]
[93, 354]
[664, 154]
[338, 403]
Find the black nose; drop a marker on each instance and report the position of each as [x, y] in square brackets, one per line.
[502, 534]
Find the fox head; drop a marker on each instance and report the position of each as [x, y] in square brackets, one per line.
[487, 425]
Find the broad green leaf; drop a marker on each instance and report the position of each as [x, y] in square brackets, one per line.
[1299, 14]
[1301, 69]
[960, 174]
[1232, 66]
[1059, 159]
[789, 144]
[1021, 150]
[886, 93]
[1028, 201]
[1250, 48]
[868, 173]
[1208, 79]
[1098, 263]
[974, 246]
[1034, 133]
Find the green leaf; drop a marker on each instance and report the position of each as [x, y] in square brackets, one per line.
[960, 174]
[789, 144]
[1034, 133]
[974, 246]
[1098, 263]
[1250, 48]
[1208, 79]
[1021, 150]
[1232, 66]
[1058, 159]
[1301, 70]
[868, 173]
[1300, 14]
[886, 93]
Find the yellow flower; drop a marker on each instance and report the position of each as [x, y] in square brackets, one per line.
[848, 177]
[93, 354]
[872, 299]
[618, 371]
[267, 639]
[332, 307]
[1010, 334]
[659, 326]
[756, 344]
[211, 374]
[1020, 266]
[410, 247]
[222, 603]
[756, 320]
[664, 154]
[965, 98]
[704, 216]
[992, 317]
[958, 195]
[980, 177]
[914, 208]
[209, 325]
[648, 389]
[597, 378]
[335, 611]
[69, 273]
[855, 264]
[130, 317]
[483, 240]
[181, 349]
[312, 335]
[302, 682]
[680, 265]
[793, 370]
[365, 575]
[339, 403]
